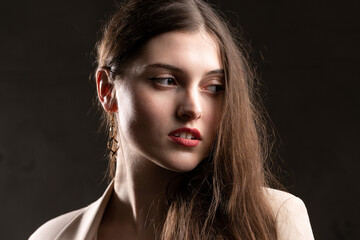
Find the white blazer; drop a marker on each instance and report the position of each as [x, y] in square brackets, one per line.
[292, 220]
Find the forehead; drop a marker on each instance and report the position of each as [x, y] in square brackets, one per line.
[183, 49]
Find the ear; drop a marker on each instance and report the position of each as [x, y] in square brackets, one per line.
[105, 86]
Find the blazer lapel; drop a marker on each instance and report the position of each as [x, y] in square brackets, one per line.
[86, 224]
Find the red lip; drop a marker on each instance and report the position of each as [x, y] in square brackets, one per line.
[184, 141]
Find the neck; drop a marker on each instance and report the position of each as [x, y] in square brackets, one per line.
[138, 200]
[141, 184]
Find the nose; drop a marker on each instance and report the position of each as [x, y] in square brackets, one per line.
[189, 107]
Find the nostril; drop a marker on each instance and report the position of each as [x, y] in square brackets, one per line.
[189, 114]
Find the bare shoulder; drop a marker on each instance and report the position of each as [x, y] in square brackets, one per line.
[292, 220]
[52, 228]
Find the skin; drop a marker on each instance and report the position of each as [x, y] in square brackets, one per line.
[176, 82]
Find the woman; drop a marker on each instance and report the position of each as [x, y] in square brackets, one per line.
[186, 140]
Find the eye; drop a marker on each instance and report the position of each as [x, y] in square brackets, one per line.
[164, 81]
[216, 88]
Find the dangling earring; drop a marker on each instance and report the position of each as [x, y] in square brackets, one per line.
[112, 143]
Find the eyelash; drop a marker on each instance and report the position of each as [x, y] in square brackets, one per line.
[218, 87]
[158, 80]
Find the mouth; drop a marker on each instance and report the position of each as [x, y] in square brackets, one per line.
[186, 136]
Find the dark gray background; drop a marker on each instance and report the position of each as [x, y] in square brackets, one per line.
[52, 157]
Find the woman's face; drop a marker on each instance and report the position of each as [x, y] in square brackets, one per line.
[170, 100]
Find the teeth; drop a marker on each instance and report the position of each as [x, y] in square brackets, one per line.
[184, 135]
[189, 135]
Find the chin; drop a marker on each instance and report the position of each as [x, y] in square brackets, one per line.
[180, 166]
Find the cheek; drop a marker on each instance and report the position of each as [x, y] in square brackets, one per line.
[126, 108]
[151, 113]
[144, 114]
[212, 114]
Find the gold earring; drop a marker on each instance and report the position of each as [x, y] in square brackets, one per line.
[112, 143]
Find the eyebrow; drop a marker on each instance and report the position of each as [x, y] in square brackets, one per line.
[179, 70]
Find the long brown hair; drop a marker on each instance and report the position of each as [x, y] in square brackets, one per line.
[223, 198]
